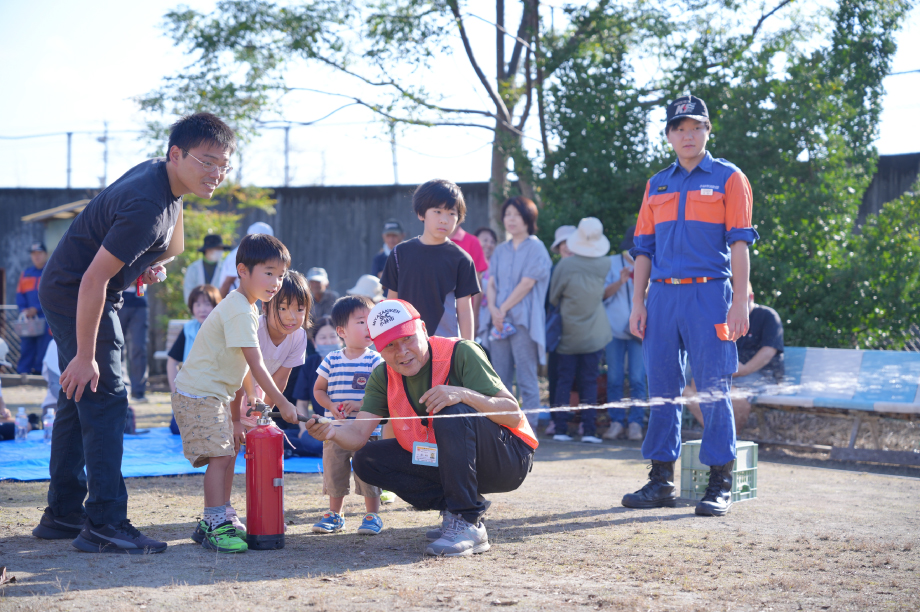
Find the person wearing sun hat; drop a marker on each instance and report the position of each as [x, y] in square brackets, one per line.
[430, 463]
[691, 251]
[577, 289]
[209, 269]
[368, 286]
[562, 234]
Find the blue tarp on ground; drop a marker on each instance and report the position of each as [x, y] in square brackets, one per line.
[157, 453]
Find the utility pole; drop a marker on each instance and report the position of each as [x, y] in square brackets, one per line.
[393, 151]
[287, 151]
[104, 139]
[69, 143]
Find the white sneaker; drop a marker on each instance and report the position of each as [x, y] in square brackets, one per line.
[459, 539]
[634, 432]
[562, 438]
[614, 431]
[591, 440]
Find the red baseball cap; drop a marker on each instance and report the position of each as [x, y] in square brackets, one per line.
[390, 320]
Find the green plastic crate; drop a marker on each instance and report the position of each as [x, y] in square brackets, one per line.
[694, 476]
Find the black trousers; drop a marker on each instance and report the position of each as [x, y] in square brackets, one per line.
[475, 456]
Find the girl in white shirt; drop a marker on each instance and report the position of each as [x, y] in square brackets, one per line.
[282, 334]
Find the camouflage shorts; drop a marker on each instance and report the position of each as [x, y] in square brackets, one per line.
[205, 426]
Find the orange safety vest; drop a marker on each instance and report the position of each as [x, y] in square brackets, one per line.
[412, 430]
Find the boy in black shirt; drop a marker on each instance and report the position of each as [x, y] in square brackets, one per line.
[111, 245]
[431, 272]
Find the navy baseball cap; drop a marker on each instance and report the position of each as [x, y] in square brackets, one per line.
[687, 107]
[37, 246]
[392, 226]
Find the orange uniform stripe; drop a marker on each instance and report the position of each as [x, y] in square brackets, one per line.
[705, 208]
[645, 224]
[664, 207]
[739, 202]
[27, 283]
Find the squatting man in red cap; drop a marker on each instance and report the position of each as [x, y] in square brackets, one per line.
[443, 464]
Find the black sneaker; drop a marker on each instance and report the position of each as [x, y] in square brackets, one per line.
[53, 527]
[120, 538]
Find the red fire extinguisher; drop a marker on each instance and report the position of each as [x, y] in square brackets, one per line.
[264, 485]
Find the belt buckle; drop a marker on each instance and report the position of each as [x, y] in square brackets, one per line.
[675, 281]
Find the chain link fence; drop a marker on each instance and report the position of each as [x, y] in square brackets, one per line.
[8, 314]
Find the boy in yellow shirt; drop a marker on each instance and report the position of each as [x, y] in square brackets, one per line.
[227, 345]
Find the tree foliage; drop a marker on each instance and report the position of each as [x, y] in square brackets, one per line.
[799, 119]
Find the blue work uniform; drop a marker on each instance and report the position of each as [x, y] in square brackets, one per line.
[31, 350]
[686, 225]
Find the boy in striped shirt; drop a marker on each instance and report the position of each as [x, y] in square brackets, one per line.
[339, 389]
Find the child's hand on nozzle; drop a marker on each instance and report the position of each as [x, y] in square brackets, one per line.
[351, 407]
[338, 412]
[288, 412]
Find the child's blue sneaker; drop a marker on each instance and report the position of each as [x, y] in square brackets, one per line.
[330, 523]
[371, 525]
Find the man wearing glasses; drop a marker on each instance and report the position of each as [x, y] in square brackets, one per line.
[110, 246]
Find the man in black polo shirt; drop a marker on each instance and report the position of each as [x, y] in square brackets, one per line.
[112, 245]
[760, 360]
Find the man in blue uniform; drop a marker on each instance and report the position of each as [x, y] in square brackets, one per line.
[32, 349]
[691, 242]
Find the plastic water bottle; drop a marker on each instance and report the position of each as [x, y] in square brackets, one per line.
[48, 424]
[22, 425]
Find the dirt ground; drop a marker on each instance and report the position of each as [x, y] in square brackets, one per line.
[820, 536]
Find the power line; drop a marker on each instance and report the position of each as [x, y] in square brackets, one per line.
[70, 133]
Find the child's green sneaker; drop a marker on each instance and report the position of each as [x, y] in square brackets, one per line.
[224, 538]
[201, 530]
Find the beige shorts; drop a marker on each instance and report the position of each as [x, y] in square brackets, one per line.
[337, 473]
[205, 427]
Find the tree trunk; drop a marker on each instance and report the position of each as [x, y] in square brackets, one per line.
[498, 182]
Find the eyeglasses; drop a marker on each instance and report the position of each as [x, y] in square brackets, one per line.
[209, 166]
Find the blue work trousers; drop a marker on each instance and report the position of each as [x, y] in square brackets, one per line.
[616, 370]
[90, 433]
[32, 353]
[682, 322]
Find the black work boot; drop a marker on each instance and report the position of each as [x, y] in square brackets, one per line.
[718, 497]
[658, 492]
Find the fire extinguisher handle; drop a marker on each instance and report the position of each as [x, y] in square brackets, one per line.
[319, 419]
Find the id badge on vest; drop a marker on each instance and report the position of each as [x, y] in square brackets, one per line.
[425, 453]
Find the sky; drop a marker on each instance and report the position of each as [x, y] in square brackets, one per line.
[66, 67]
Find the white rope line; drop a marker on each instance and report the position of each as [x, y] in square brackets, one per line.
[626, 403]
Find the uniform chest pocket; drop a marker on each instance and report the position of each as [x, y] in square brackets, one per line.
[705, 208]
[664, 207]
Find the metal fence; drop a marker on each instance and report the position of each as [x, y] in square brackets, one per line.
[8, 314]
